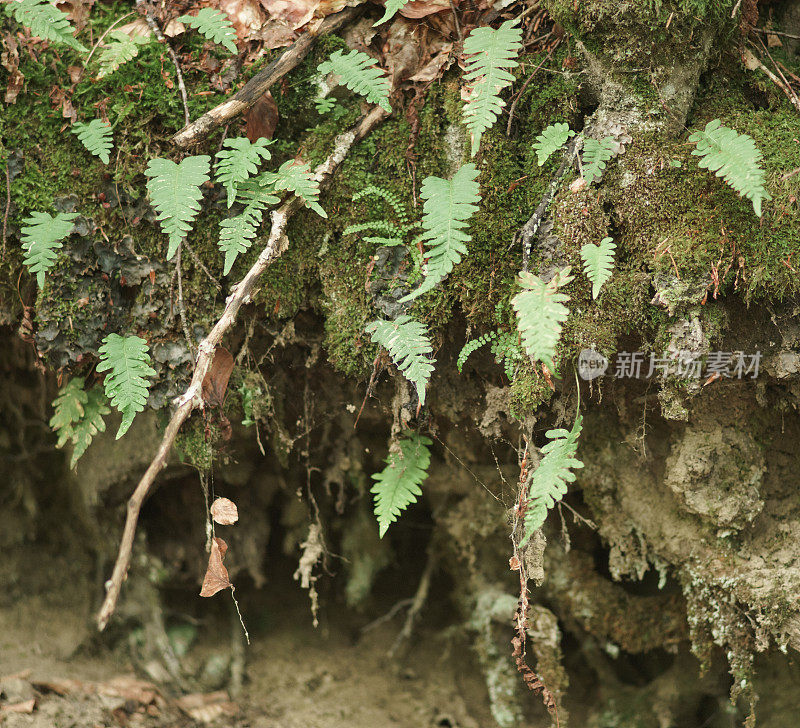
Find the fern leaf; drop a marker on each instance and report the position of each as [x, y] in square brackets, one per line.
[238, 160]
[324, 105]
[595, 155]
[547, 484]
[598, 262]
[175, 193]
[398, 485]
[78, 416]
[391, 9]
[41, 238]
[96, 137]
[214, 25]
[540, 312]
[408, 345]
[120, 49]
[127, 386]
[296, 177]
[448, 206]
[472, 346]
[389, 197]
[45, 21]
[735, 158]
[237, 233]
[91, 423]
[550, 140]
[492, 53]
[361, 75]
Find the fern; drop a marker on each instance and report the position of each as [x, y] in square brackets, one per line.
[96, 137]
[735, 158]
[45, 21]
[408, 345]
[598, 261]
[78, 416]
[127, 386]
[448, 206]
[547, 484]
[595, 155]
[550, 140]
[214, 25]
[507, 352]
[296, 177]
[472, 346]
[398, 485]
[41, 238]
[492, 53]
[540, 312]
[238, 161]
[359, 73]
[324, 105]
[393, 233]
[237, 233]
[175, 193]
[391, 9]
[121, 49]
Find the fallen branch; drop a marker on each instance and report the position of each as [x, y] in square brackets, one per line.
[192, 398]
[257, 86]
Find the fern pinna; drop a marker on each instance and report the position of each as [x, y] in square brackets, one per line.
[297, 177]
[391, 9]
[214, 25]
[41, 238]
[237, 233]
[358, 72]
[398, 485]
[598, 262]
[78, 416]
[238, 160]
[550, 140]
[595, 155]
[45, 21]
[393, 233]
[119, 48]
[96, 137]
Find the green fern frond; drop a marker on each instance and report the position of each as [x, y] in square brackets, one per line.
[175, 193]
[41, 238]
[78, 416]
[540, 312]
[237, 233]
[96, 137]
[213, 25]
[128, 384]
[598, 262]
[392, 8]
[120, 49]
[324, 104]
[507, 352]
[397, 486]
[595, 155]
[735, 158]
[296, 177]
[409, 347]
[389, 197]
[492, 53]
[359, 72]
[448, 206]
[472, 346]
[550, 140]
[45, 21]
[238, 160]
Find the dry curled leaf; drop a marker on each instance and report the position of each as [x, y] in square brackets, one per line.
[245, 15]
[262, 118]
[207, 707]
[9, 59]
[216, 578]
[26, 706]
[215, 383]
[224, 512]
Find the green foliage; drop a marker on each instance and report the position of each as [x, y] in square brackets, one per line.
[504, 346]
[41, 238]
[598, 262]
[45, 21]
[78, 416]
[408, 345]
[324, 105]
[361, 75]
[735, 158]
[540, 313]
[128, 384]
[96, 137]
[175, 193]
[448, 206]
[391, 9]
[473, 345]
[120, 49]
[398, 485]
[595, 155]
[550, 140]
[492, 52]
[214, 25]
[393, 233]
[296, 177]
[237, 233]
[239, 159]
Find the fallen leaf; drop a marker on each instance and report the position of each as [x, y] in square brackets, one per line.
[215, 383]
[136, 29]
[9, 59]
[245, 15]
[216, 578]
[262, 118]
[59, 98]
[74, 73]
[174, 27]
[26, 706]
[207, 707]
[77, 11]
[276, 34]
[224, 512]
[295, 13]
[422, 8]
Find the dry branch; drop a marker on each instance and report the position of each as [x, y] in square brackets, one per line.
[257, 86]
[191, 399]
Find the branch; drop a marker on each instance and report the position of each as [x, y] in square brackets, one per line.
[257, 86]
[191, 399]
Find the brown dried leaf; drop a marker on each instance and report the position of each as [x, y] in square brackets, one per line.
[262, 118]
[9, 59]
[174, 27]
[137, 29]
[294, 13]
[276, 34]
[129, 688]
[215, 383]
[422, 8]
[216, 578]
[224, 512]
[58, 97]
[77, 11]
[26, 706]
[246, 15]
[208, 707]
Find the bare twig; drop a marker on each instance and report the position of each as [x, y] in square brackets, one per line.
[199, 263]
[191, 399]
[257, 86]
[522, 91]
[181, 307]
[418, 603]
[455, 21]
[8, 205]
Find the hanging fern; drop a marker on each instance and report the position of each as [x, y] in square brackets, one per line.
[238, 160]
[237, 233]
[96, 137]
[551, 140]
[393, 233]
[507, 352]
[408, 345]
[359, 73]
[595, 155]
[120, 49]
[127, 386]
[735, 158]
[296, 177]
[598, 262]
[397, 486]
[41, 238]
[78, 416]
[540, 312]
[45, 21]
[214, 25]
[391, 9]
[448, 206]
[472, 346]
[175, 193]
[492, 52]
